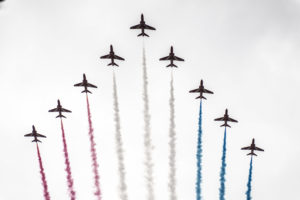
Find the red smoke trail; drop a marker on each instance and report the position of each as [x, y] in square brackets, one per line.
[44, 182]
[67, 162]
[93, 151]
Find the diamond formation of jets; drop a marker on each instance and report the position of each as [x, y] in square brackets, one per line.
[85, 84]
[172, 58]
[59, 109]
[112, 56]
[226, 119]
[142, 25]
[34, 134]
[201, 90]
[253, 148]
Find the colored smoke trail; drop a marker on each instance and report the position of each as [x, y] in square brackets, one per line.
[93, 151]
[147, 132]
[119, 145]
[199, 155]
[249, 188]
[67, 162]
[223, 170]
[172, 144]
[44, 181]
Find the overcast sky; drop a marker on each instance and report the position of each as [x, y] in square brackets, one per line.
[247, 52]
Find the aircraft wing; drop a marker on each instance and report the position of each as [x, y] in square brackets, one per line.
[232, 120]
[246, 148]
[165, 58]
[207, 91]
[106, 56]
[65, 110]
[91, 85]
[220, 119]
[118, 57]
[29, 135]
[136, 27]
[149, 27]
[195, 90]
[40, 135]
[258, 149]
[177, 58]
[79, 84]
[53, 110]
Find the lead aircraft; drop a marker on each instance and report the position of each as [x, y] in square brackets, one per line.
[142, 25]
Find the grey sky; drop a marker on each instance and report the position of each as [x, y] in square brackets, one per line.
[247, 52]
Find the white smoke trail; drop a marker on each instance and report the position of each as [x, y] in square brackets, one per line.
[172, 144]
[147, 133]
[119, 145]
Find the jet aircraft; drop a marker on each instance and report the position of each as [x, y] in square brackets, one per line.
[85, 84]
[253, 148]
[59, 109]
[34, 134]
[112, 56]
[226, 119]
[142, 25]
[201, 90]
[172, 58]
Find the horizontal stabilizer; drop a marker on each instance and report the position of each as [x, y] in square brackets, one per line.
[201, 97]
[60, 116]
[86, 91]
[36, 140]
[112, 64]
[171, 65]
[252, 154]
[226, 125]
[143, 34]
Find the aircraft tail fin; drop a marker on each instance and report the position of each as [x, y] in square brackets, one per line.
[226, 125]
[201, 97]
[252, 154]
[35, 140]
[143, 34]
[60, 115]
[171, 65]
[86, 91]
[113, 64]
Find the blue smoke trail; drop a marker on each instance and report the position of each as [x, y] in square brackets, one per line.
[223, 170]
[248, 193]
[199, 155]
